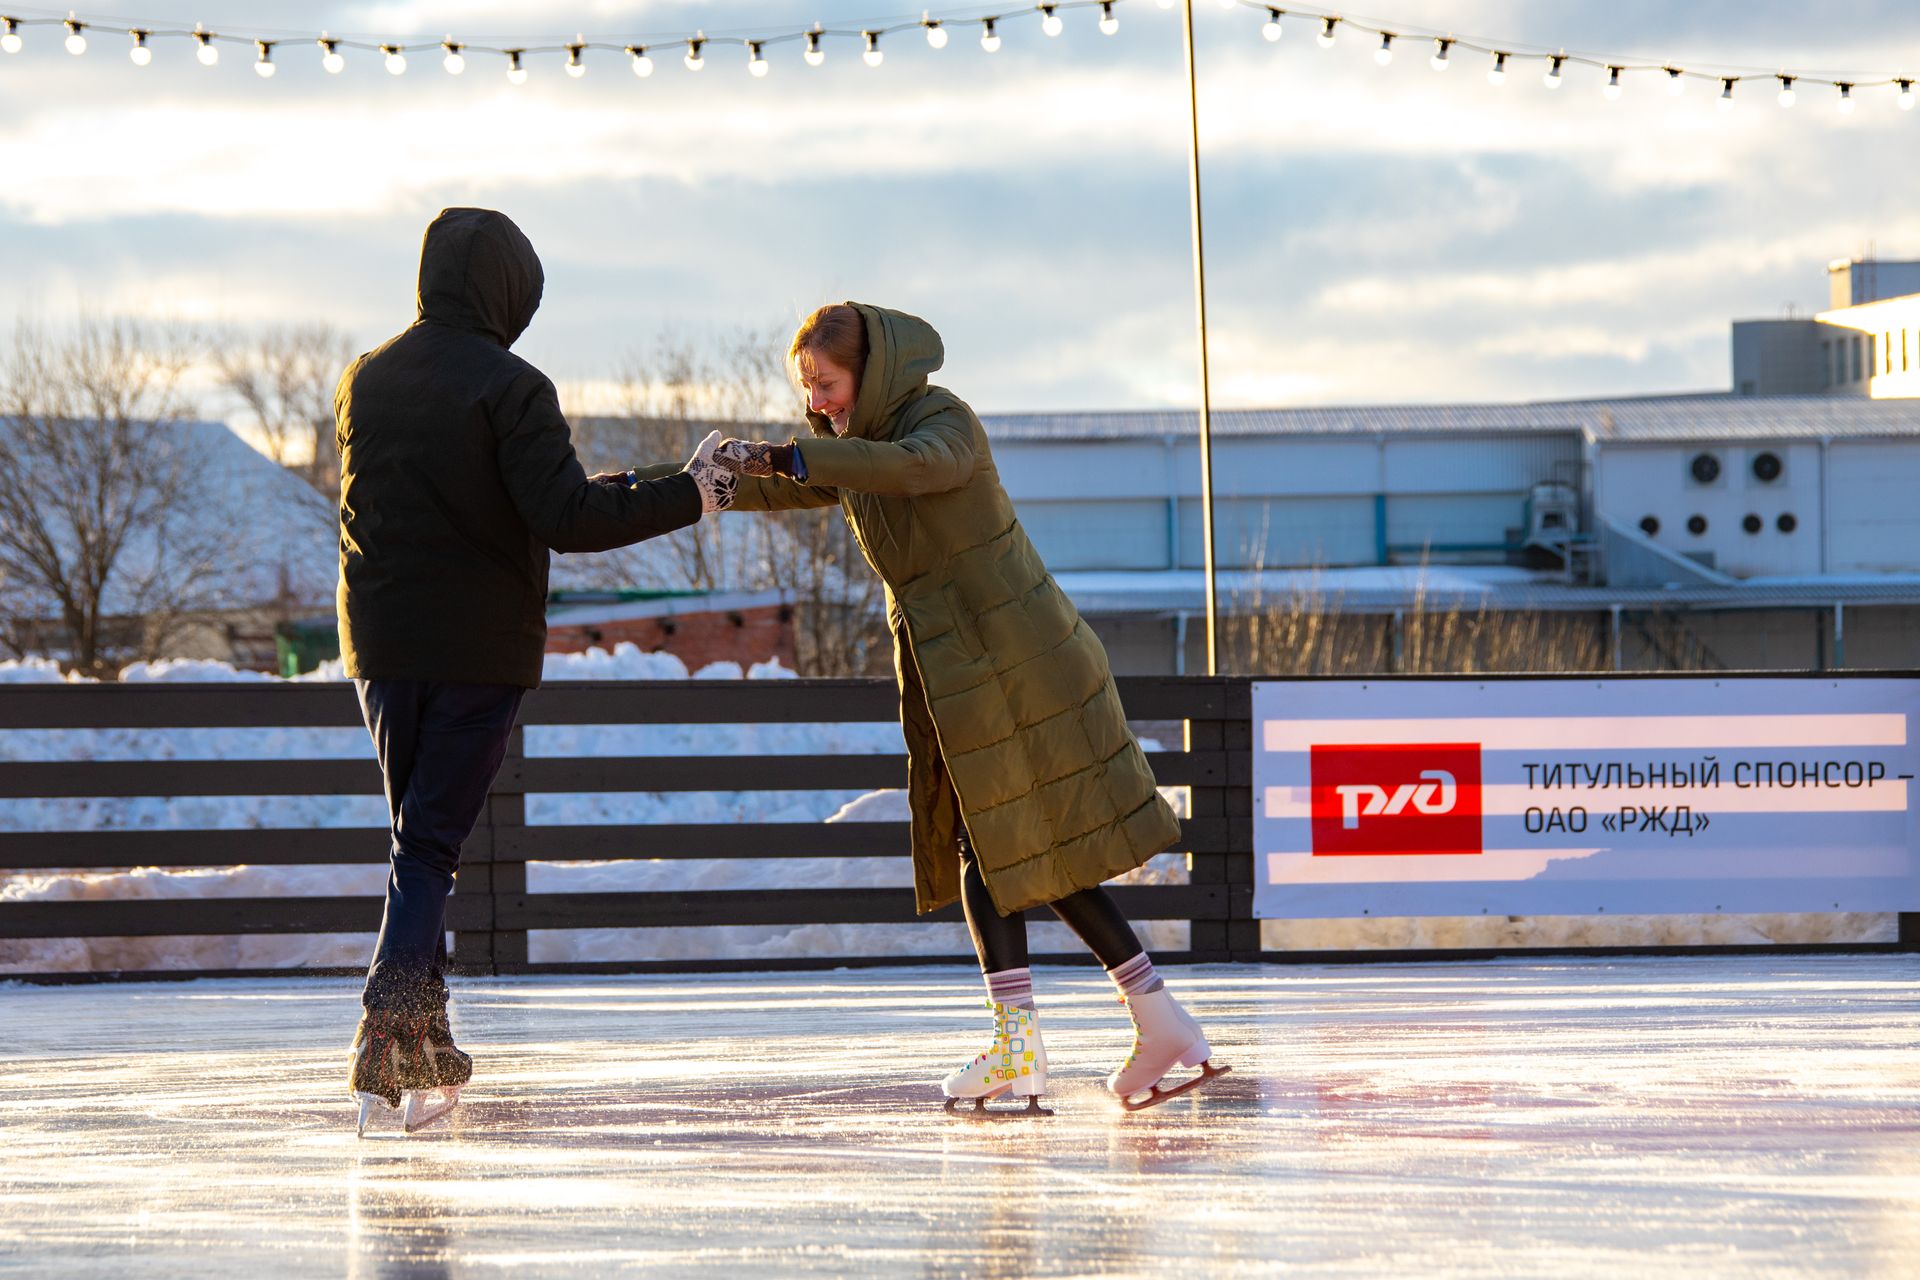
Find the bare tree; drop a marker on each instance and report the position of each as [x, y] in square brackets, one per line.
[285, 375]
[100, 553]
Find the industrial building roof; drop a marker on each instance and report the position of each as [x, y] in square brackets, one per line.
[1464, 587]
[1649, 419]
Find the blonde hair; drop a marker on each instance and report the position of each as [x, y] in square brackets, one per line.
[836, 332]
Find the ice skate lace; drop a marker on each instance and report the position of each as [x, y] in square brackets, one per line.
[1135, 1051]
[997, 1045]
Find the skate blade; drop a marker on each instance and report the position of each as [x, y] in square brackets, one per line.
[981, 1111]
[420, 1113]
[1156, 1095]
[368, 1101]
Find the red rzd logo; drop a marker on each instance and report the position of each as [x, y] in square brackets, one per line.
[1408, 798]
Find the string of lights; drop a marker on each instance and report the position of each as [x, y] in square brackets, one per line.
[1502, 57]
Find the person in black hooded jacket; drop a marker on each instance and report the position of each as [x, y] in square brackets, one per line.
[457, 478]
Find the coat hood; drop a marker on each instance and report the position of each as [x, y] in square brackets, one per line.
[901, 351]
[479, 272]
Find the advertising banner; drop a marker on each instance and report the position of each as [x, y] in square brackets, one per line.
[1584, 796]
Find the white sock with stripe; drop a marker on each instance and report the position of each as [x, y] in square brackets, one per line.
[1012, 987]
[1136, 975]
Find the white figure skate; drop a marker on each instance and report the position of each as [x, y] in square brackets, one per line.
[1014, 1065]
[1164, 1036]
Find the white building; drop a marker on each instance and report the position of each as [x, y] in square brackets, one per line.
[1776, 531]
[1867, 343]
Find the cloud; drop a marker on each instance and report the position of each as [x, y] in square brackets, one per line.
[1373, 233]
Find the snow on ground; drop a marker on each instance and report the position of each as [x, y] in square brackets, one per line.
[746, 805]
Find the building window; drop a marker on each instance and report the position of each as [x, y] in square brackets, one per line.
[1826, 363]
[1857, 341]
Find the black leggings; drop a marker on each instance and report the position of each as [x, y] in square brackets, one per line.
[1001, 941]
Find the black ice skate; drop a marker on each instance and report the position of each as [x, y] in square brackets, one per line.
[407, 1062]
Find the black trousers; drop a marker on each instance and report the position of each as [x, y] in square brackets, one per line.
[440, 745]
[1001, 941]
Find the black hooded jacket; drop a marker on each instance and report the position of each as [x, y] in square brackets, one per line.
[457, 476]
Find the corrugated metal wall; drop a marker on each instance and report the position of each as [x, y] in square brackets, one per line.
[1280, 501]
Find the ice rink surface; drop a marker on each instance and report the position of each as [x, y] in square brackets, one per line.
[1687, 1117]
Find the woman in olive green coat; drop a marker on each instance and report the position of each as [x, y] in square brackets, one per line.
[1025, 784]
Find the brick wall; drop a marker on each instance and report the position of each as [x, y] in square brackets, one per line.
[745, 636]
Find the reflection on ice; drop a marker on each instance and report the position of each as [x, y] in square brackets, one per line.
[1712, 1116]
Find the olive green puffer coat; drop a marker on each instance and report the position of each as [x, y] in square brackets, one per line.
[1005, 694]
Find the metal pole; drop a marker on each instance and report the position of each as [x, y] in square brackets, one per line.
[1206, 392]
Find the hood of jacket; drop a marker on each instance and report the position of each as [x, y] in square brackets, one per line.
[902, 350]
[479, 272]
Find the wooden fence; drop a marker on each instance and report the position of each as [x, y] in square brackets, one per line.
[491, 910]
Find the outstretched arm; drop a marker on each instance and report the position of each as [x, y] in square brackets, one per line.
[762, 487]
[934, 457]
[551, 490]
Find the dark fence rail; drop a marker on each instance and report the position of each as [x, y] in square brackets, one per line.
[491, 910]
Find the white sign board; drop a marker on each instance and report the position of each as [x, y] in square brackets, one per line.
[1575, 797]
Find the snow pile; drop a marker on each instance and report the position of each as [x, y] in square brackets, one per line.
[36, 671]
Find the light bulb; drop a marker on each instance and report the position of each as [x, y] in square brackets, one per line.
[330, 56]
[263, 64]
[872, 57]
[1906, 94]
[1326, 32]
[1271, 28]
[396, 59]
[140, 54]
[1676, 81]
[1611, 90]
[10, 42]
[1845, 104]
[76, 37]
[516, 74]
[1440, 60]
[455, 62]
[756, 64]
[1229, 5]
[814, 55]
[207, 53]
[989, 38]
[1787, 95]
[1166, 4]
[1050, 21]
[936, 34]
[575, 67]
[1725, 100]
[1497, 73]
[1553, 77]
[1108, 23]
[695, 59]
[641, 63]
[1384, 54]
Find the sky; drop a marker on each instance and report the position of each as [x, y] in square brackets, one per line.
[1373, 234]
